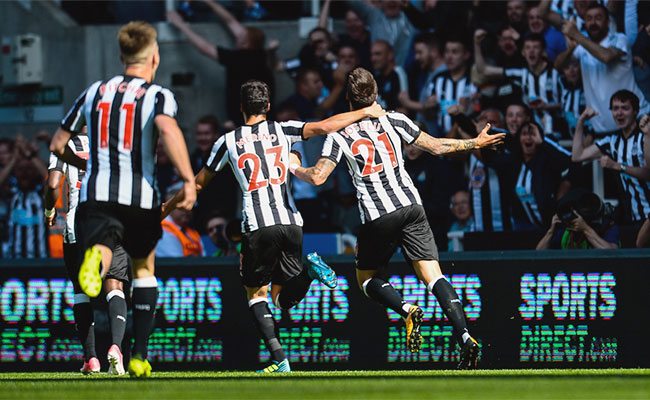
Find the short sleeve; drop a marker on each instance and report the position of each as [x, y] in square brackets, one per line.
[517, 73]
[75, 120]
[55, 164]
[332, 149]
[620, 42]
[293, 130]
[165, 104]
[406, 128]
[218, 156]
[604, 144]
[579, 52]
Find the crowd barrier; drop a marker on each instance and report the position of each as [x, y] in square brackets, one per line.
[528, 309]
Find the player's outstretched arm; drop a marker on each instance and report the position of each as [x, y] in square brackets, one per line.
[340, 121]
[201, 180]
[316, 175]
[176, 149]
[59, 146]
[440, 146]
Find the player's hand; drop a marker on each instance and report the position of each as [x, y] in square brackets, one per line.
[374, 111]
[479, 35]
[484, 139]
[644, 124]
[588, 113]
[189, 197]
[175, 18]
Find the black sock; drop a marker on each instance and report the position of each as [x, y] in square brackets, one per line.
[84, 322]
[266, 325]
[384, 293]
[117, 315]
[451, 306]
[294, 291]
[145, 297]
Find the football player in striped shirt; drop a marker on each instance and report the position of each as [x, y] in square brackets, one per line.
[120, 201]
[391, 209]
[258, 154]
[118, 273]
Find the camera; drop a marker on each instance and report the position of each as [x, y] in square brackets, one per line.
[588, 204]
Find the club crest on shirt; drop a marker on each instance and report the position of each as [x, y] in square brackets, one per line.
[478, 178]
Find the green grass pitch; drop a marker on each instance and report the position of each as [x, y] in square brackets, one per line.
[447, 385]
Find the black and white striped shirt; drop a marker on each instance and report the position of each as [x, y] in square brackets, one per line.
[491, 212]
[74, 177]
[629, 152]
[573, 103]
[27, 233]
[545, 87]
[449, 93]
[373, 150]
[119, 114]
[259, 157]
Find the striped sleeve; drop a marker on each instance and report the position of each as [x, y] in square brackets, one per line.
[218, 156]
[293, 130]
[332, 149]
[75, 119]
[605, 144]
[514, 72]
[55, 163]
[404, 127]
[165, 104]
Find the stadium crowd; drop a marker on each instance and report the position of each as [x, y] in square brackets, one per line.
[567, 80]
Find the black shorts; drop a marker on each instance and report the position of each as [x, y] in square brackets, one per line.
[407, 227]
[137, 230]
[271, 254]
[73, 256]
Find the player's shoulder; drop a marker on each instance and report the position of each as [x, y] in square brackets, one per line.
[397, 116]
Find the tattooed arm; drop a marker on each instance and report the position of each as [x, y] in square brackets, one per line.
[440, 146]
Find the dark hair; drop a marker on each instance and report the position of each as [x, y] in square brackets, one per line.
[211, 120]
[320, 29]
[255, 97]
[597, 5]
[457, 37]
[385, 43]
[256, 38]
[535, 37]
[429, 39]
[361, 88]
[523, 105]
[303, 72]
[528, 125]
[625, 95]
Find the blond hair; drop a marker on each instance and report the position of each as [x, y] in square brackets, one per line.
[136, 39]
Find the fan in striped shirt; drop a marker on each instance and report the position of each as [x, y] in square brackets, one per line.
[627, 151]
[120, 203]
[391, 209]
[258, 154]
[539, 81]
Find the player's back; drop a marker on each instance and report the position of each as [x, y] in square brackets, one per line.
[119, 113]
[373, 151]
[259, 157]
